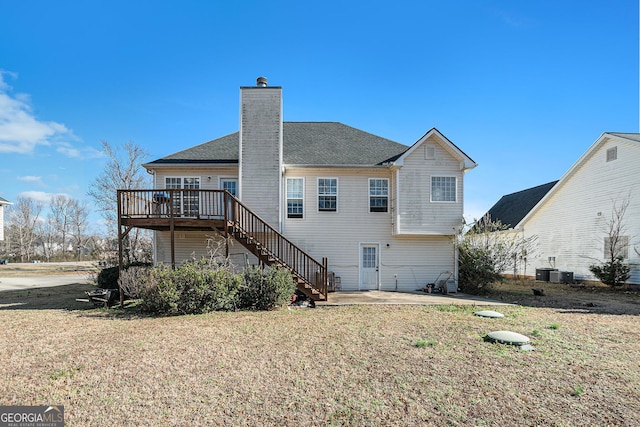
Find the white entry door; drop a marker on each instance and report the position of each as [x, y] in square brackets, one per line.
[369, 267]
[231, 185]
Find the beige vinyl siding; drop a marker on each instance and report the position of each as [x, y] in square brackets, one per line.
[261, 151]
[570, 225]
[417, 214]
[202, 173]
[338, 235]
[190, 245]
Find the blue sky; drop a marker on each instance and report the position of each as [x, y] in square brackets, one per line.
[523, 87]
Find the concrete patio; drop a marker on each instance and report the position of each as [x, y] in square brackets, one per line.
[407, 298]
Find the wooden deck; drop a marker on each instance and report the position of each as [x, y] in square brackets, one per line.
[195, 210]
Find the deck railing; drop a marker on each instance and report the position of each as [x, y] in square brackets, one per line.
[205, 204]
[175, 204]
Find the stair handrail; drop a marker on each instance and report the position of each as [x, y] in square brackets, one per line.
[278, 246]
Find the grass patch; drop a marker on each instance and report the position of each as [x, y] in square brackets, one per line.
[328, 366]
[424, 343]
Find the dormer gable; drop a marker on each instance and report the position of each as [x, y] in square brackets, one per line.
[430, 144]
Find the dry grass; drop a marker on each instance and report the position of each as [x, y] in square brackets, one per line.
[358, 365]
[53, 268]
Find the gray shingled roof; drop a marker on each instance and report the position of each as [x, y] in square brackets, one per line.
[304, 143]
[512, 208]
[633, 136]
[4, 201]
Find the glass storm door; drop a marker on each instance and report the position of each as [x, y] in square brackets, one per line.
[369, 271]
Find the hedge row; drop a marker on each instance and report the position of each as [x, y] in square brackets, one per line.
[197, 287]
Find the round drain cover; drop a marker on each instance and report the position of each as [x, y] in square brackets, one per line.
[507, 337]
[489, 313]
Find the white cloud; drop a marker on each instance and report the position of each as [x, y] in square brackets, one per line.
[78, 153]
[31, 178]
[20, 130]
[41, 196]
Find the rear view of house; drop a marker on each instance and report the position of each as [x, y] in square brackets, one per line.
[381, 214]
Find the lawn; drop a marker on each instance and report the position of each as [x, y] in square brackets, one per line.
[353, 365]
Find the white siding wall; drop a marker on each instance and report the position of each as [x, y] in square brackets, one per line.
[189, 242]
[202, 173]
[569, 226]
[190, 245]
[416, 213]
[337, 235]
[1, 222]
[261, 151]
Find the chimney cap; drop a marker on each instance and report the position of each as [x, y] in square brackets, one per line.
[261, 82]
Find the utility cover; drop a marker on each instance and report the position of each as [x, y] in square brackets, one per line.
[507, 337]
[489, 313]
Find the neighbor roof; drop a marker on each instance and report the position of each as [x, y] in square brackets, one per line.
[512, 208]
[304, 143]
[4, 202]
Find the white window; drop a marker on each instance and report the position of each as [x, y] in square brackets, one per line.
[327, 194]
[443, 188]
[612, 154]
[295, 197]
[186, 203]
[621, 247]
[378, 195]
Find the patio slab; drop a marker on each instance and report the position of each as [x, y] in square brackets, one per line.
[406, 298]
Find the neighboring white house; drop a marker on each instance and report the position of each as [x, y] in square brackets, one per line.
[382, 213]
[3, 202]
[570, 216]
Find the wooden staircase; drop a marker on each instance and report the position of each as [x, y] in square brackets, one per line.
[273, 249]
[198, 209]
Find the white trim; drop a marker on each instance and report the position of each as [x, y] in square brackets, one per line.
[369, 196]
[361, 245]
[431, 189]
[229, 178]
[286, 198]
[318, 194]
[466, 162]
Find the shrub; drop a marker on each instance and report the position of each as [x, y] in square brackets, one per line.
[613, 273]
[199, 287]
[266, 289]
[477, 270]
[133, 280]
[108, 277]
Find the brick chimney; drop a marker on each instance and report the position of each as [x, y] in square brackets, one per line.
[261, 150]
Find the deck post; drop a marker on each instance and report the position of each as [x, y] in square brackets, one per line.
[226, 202]
[120, 246]
[172, 230]
[325, 275]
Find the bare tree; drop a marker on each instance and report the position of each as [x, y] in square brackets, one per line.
[24, 220]
[614, 271]
[61, 213]
[48, 237]
[78, 225]
[122, 171]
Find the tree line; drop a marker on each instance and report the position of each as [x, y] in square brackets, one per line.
[60, 230]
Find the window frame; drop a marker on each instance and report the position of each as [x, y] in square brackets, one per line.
[287, 198]
[455, 188]
[372, 197]
[327, 196]
[186, 204]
